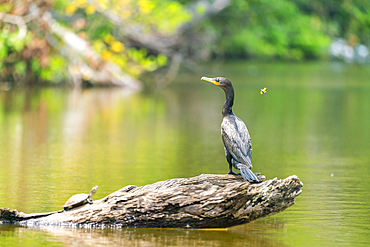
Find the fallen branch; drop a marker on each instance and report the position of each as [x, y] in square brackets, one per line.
[174, 46]
[205, 201]
[104, 72]
[21, 21]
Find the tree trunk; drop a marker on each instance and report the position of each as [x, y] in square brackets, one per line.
[205, 201]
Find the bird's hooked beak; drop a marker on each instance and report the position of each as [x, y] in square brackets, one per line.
[211, 80]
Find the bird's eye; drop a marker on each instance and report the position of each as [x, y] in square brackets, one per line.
[217, 80]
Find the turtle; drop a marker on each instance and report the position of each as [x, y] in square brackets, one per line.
[80, 199]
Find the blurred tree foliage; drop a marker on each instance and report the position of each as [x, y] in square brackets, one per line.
[288, 29]
[53, 48]
[113, 40]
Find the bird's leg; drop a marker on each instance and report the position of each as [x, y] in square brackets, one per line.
[231, 170]
[229, 160]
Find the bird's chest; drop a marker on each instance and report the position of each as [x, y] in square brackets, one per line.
[229, 131]
[230, 127]
[234, 132]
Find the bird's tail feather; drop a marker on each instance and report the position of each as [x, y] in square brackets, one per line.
[247, 174]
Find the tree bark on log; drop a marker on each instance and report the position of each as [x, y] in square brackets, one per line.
[205, 201]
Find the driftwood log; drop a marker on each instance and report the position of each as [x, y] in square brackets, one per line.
[205, 201]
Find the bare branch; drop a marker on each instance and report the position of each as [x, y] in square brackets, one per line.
[171, 45]
[105, 72]
[16, 20]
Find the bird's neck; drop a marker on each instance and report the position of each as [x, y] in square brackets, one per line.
[227, 109]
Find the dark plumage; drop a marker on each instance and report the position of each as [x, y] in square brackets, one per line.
[235, 135]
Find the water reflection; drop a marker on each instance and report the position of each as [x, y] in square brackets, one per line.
[249, 236]
[313, 121]
[60, 142]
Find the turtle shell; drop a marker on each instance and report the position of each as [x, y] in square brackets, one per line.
[76, 200]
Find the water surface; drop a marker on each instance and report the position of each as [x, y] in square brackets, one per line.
[313, 122]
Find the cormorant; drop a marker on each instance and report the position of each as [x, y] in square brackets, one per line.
[235, 135]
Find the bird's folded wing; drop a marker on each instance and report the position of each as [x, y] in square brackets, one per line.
[237, 140]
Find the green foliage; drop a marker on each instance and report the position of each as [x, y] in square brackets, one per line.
[10, 47]
[20, 67]
[87, 19]
[271, 28]
[344, 18]
[288, 29]
[159, 15]
[152, 16]
[55, 72]
[10, 42]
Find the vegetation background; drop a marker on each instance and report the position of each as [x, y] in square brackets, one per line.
[116, 42]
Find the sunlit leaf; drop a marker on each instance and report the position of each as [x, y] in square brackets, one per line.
[109, 38]
[90, 10]
[145, 6]
[3, 50]
[117, 46]
[161, 59]
[70, 9]
[79, 3]
[107, 55]
[99, 46]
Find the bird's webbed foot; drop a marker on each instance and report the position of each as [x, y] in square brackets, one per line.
[228, 157]
[233, 173]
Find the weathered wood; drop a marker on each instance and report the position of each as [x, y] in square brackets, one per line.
[205, 201]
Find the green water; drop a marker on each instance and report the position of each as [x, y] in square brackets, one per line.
[314, 121]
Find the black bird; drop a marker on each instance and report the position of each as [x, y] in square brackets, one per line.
[235, 135]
